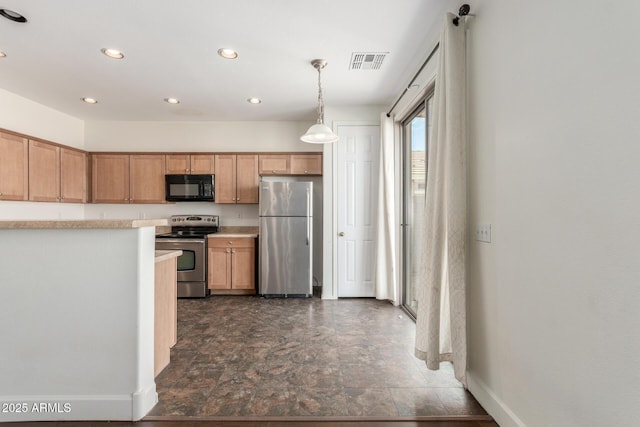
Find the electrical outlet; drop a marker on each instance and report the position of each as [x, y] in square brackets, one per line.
[483, 233]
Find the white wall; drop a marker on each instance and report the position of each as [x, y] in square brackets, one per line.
[553, 157]
[25, 116]
[77, 314]
[196, 136]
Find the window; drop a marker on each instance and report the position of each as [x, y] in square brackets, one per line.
[415, 144]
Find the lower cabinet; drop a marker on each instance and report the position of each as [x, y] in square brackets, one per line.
[232, 265]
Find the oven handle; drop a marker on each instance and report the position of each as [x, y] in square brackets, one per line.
[160, 239]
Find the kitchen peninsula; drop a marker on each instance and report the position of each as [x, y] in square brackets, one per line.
[77, 309]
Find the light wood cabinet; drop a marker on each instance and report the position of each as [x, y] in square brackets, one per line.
[290, 164]
[236, 178]
[165, 311]
[122, 178]
[56, 174]
[14, 167]
[203, 164]
[274, 164]
[110, 178]
[44, 172]
[231, 265]
[73, 176]
[306, 164]
[146, 172]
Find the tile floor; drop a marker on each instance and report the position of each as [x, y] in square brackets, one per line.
[241, 356]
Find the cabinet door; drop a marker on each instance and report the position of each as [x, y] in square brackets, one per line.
[110, 178]
[147, 178]
[73, 176]
[14, 167]
[44, 172]
[274, 164]
[225, 185]
[247, 178]
[306, 164]
[219, 267]
[178, 164]
[203, 164]
[243, 271]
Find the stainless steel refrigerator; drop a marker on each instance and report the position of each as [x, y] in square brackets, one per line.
[286, 239]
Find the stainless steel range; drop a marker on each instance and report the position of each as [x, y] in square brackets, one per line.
[189, 234]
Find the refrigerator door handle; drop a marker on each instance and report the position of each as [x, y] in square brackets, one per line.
[308, 217]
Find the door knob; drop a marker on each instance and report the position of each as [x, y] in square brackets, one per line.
[341, 234]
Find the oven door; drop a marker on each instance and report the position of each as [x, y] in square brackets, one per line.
[192, 264]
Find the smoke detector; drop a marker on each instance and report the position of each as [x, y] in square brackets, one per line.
[367, 60]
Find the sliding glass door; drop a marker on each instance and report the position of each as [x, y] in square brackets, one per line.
[416, 131]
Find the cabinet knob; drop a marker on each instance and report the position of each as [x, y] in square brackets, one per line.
[228, 250]
[273, 171]
[341, 234]
[238, 199]
[230, 242]
[306, 171]
[233, 251]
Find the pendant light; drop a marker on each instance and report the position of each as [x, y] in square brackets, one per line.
[319, 133]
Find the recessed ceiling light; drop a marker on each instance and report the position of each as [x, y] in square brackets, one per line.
[112, 53]
[254, 100]
[12, 16]
[228, 53]
[172, 101]
[90, 100]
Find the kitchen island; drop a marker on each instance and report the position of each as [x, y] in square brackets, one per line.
[77, 309]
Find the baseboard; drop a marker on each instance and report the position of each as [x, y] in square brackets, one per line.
[500, 412]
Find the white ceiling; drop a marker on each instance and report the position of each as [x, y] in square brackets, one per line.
[170, 51]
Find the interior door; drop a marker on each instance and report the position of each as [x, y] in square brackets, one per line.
[358, 165]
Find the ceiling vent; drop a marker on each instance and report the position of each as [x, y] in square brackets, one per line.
[367, 60]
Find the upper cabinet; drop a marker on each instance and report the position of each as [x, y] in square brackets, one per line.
[56, 174]
[73, 176]
[49, 172]
[291, 164]
[123, 178]
[236, 178]
[14, 167]
[274, 164]
[191, 164]
[306, 164]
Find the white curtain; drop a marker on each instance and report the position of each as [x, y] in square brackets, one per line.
[385, 270]
[441, 319]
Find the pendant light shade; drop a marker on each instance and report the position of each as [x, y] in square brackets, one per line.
[319, 133]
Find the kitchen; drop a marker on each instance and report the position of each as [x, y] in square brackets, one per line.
[238, 128]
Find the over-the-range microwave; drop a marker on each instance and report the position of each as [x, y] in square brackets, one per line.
[189, 188]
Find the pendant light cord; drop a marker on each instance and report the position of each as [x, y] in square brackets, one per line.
[320, 110]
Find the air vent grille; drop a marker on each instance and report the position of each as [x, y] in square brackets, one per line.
[367, 60]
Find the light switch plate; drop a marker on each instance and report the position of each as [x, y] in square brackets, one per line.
[483, 233]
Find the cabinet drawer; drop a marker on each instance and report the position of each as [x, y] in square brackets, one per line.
[231, 242]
